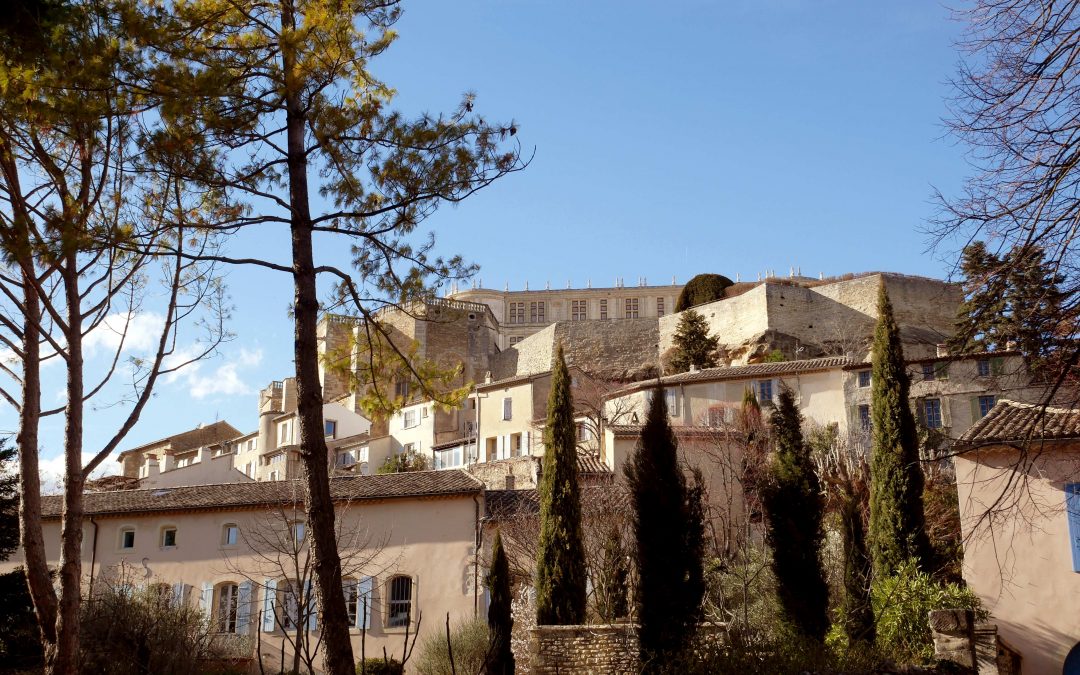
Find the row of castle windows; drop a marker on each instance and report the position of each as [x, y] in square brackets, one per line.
[579, 310]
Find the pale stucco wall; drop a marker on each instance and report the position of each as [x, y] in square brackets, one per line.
[1020, 563]
[495, 430]
[430, 540]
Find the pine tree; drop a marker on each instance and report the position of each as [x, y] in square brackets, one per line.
[897, 524]
[793, 508]
[668, 550]
[500, 621]
[692, 344]
[560, 562]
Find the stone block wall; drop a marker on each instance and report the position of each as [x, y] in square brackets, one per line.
[566, 650]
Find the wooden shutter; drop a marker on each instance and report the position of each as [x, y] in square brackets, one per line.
[243, 608]
[1072, 506]
[178, 594]
[269, 599]
[946, 412]
[976, 413]
[206, 599]
[997, 366]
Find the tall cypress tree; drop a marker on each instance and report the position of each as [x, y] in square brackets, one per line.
[858, 611]
[560, 560]
[500, 621]
[794, 507]
[668, 540]
[897, 523]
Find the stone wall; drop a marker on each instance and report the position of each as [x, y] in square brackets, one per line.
[515, 473]
[565, 650]
[976, 648]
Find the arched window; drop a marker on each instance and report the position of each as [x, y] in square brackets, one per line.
[399, 602]
[226, 609]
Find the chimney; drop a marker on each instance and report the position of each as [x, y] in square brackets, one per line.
[942, 349]
[487, 377]
[693, 368]
[152, 468]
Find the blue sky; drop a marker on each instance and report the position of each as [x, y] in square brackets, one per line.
[728, 137]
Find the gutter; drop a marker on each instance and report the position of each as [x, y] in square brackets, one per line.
[478, 539]
[93, 557]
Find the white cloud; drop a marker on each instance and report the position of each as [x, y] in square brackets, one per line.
[225, 379]
[51, 470]
[143, 330]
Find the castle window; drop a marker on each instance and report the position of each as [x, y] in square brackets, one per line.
[536, 312]
[578, 310]
[517, 312]
[603, 309]
[659, 307]
[631, 308]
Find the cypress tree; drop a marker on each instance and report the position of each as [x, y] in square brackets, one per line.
[692, 345]
[612, 588]
[560, 560]
[500, 621]
[858, 611]
[897, 524]
[668, 544]
[794, 507]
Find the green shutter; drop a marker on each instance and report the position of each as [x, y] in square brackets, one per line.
[976, 415]
[997, 366]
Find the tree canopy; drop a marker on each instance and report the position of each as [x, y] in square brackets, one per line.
[701, 289]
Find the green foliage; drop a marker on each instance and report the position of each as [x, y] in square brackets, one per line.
[669, 562]
[404, 462]
[775, 356]
[378, 666]
[9, 499]
[897, 522]
[692, 345]
[469, 642]
[701, 289]
[20, 638]
[856, 612]
[794, 509]
[942, 507]
[1014, 297]
[902, 602]
[500, 619]
[560, 561]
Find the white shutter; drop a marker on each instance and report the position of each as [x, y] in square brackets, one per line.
[312, 608]
[500, 448]
[527, 444]
[243, 608]
[178, 594]
[269, 598]
[363, 600]
[508, 450]
[206, 599]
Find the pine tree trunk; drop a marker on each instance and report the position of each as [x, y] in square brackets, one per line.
[338, 657]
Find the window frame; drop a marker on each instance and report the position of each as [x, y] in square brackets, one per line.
[864, 378]
[221, 621]
[537, 311]
[659, 307]
[603, 309]
[929, 372]
[162, 532]
[981, 365]
[579, 310]
[225, 529]
[120, 542]
[330, 428]
[631, 308]
[507, 408]
[395, 620]
[865, 417]
[408, 415]
[933, 405]
[983, 399]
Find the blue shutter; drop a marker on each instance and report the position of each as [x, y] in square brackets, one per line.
[1072, 506]
[269, 596]
[312, 609]
[243, 608]
[363, 610]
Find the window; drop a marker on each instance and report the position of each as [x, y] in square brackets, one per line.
[357, 601]
[297, 532]
[928, 371]
[424, 412]
[283, 433]
[514, 341]
[168, 537]
[290, 605]
[864, 417]
[408, 448]
[765, 391]
[659, 307]
[251, 444]
[932, 413]
[508, 408]
[330, 428]
[986, 403]
[277, 458]
[631, 308]
[230, 534]
[273, 475]
[401, 389]
[448, 458]
[603, 309]
[127, 538]
[346, 458]
[578, 311]
[941, 370]
[536, 312]
[517, 312]
[410, 419]
[982, 366]
[672, 400]
[227, 606]
[864, 378]
[399, 608]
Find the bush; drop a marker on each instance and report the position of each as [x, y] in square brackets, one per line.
[377, 666]
[701, 289]
[469, 642]
[404, 463]
[20, 638]
[902, 603]
[140, 629]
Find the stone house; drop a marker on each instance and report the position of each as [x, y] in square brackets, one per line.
[404, 569]
[1018, 483]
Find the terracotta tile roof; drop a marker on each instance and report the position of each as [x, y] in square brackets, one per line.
[194, 438]
[504, 504]
[744, 372]
[244, 495]
[974, 356]
[1010, 421]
